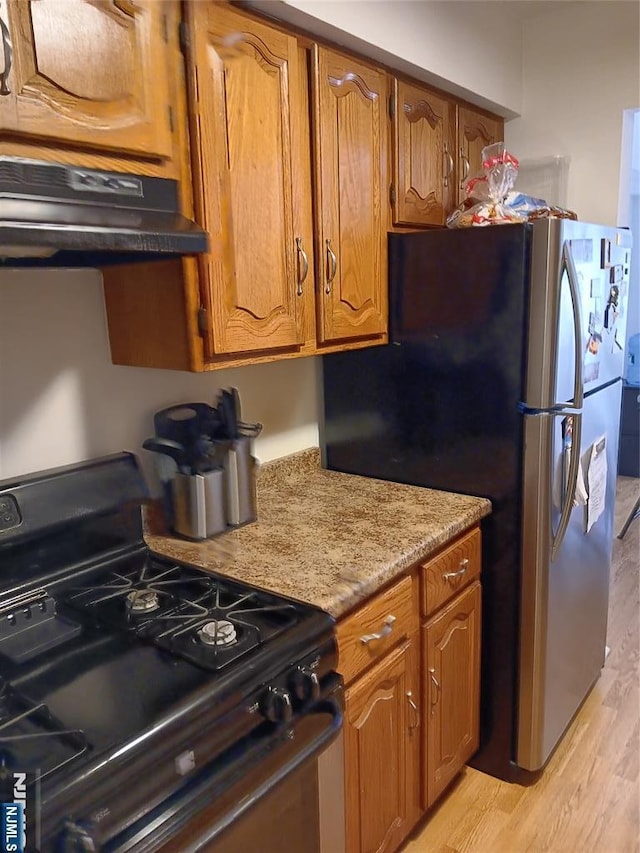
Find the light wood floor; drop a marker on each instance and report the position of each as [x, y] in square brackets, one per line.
[588, 798]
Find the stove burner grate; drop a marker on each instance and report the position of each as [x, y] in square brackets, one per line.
[207, 620]
[32, 739]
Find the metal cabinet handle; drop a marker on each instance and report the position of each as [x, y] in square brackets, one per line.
[8, 55]
[387, 628]
[448, 161]
[415, 710]
[303, 264]
[467, 166]
[464, 565]
[436, 683]
[332, 267]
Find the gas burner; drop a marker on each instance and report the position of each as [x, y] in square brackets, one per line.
[143, 600]
[218, 632]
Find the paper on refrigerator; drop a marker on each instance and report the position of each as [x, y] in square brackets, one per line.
[596, 480]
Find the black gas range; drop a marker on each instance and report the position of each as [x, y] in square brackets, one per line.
[136, 690]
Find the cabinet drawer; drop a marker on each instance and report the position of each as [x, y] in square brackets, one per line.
[450, 571]
[376, 627]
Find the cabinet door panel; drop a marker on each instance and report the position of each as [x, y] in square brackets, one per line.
[248, 89]
[452, 689]
[475, 130]
[351, 165]
[381, 754]
[92, 73]
[423, 160]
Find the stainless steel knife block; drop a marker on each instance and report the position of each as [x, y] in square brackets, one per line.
[240, 483]
[199, 509]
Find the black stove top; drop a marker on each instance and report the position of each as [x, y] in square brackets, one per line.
[111, 656]
[207, 620]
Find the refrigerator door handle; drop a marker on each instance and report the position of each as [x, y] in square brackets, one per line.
[572, 275]
[569, 493]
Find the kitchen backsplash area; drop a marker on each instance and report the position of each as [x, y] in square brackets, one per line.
[62, 401]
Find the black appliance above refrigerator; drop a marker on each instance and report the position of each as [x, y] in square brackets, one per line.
[506, 353]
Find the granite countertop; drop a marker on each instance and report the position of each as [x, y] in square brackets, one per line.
[327, 538]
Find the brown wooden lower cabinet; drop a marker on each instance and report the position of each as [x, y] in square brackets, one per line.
[412, 696]
[382, 752]
[451, 695]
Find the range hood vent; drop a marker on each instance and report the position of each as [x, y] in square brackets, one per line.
[54, 215]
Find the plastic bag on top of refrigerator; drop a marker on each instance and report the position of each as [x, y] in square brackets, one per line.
[491, 198]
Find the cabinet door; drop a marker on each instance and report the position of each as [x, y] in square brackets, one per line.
[451, 690]
[94, 74]
[424, 179]
[475, 130]
[382, 753]
[251, 121]
[351, 149]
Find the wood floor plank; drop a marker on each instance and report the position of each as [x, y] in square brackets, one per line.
[588, 798]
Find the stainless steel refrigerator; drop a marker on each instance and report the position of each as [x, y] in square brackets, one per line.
[503, 379]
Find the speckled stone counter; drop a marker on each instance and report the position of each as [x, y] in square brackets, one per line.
[327, 538]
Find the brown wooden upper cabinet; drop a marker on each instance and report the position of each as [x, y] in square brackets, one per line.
[90, 74]
[424, 152]
[474, 131]
[437, 145]
[350, 159]
[252, 182]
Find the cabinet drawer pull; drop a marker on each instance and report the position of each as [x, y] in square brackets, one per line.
[415, 710]
[332, 267]
[436, 683]
[387, 628]
[303, 264]
[8, 55]
[464, 565]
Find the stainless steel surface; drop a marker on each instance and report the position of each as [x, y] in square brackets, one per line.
[464, 565]
[56, 214]
[332, 266]
[303, 265]
[379, 635]
[563, 602]
[568, 490]
[572, 276]
[543, 314]
[199, 504]
[331, 797]
[240, 483]
[436, 684]
[579, 275]
[7, 51]
[415, 710]
[449, 163]
[465, 170]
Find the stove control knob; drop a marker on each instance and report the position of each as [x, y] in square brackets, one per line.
[305, 684]
[276, 705]
[76, 838]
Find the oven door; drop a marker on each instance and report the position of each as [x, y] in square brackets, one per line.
[285, 793]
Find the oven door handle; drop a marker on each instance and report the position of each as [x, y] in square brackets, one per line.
[288, 747]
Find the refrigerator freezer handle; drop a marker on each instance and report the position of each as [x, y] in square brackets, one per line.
[572, 275]
[569, 493]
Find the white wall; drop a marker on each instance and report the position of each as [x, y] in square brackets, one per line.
[471, 49]
[61, 399]
[580, 72]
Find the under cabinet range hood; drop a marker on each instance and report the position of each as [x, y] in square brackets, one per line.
[56, 215]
